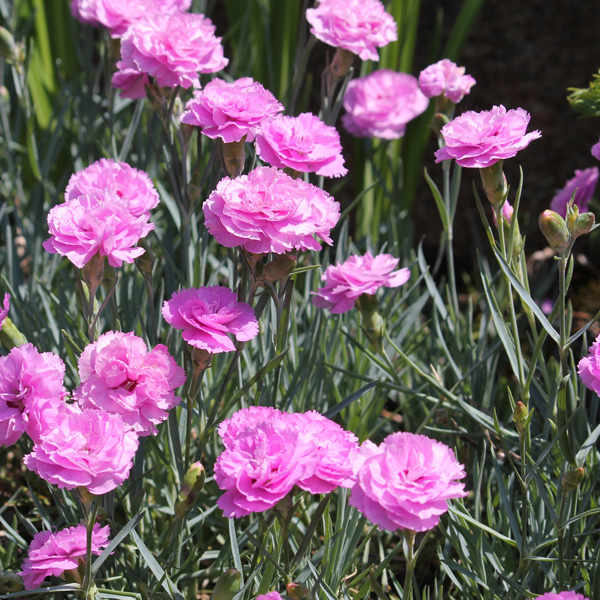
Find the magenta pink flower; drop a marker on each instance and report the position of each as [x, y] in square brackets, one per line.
[119, 375]
[265, 461]
[171, 48]
[360, 26]
[589, 367]
[53, 553]
[231, 111]
[131, 82]
[445, 78]
[132, 186]
[31, 392]
[596, 150]
[96, 223]
[582, 185]
[346, 282]
[303, 143]
[561, 596]
[209, 316]
[481, 139]
[382, 103]
[270, 596]
[84, 448]
[117, 15]
[5, 308]
[406, 482]
[231, 428]
[268, 211]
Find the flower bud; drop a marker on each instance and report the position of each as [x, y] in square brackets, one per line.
[339, 67]
[234, 156]
[572, 478]
[145, 262]
[372, 321]
[10, 336]
[93, 272]
[297, 591]
[227, 586]
[281, 266]
[521, 417]
[494, 183]
[555, 230]
[583, 223]
[193, 482]
[10, 582]
[8, 47]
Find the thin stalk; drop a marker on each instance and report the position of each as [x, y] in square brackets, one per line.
[409, 552]
[450, 241]
[561, 550]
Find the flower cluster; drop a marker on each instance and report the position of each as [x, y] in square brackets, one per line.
[120, 376]
[346, 282]
[406, 482]
[117, 15]
[303, 143]
[268, 211]
[54, 553]
[382, 103]
[582, 185]
[268, 452]
[445, 78]
[208, 316]
[171, 48]
[132, 186]
[231, 111]
[360, 26]
[479, 140]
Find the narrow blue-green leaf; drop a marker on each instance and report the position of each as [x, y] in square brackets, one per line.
[334, 410]
[588, 445]
[483, 527]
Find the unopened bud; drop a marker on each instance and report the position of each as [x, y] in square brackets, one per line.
[583, 223]
[521, 417]
[10, 336]
[201, 359]
[93, 272]
[234, 156]
[296, 591]
[10, 582]
[555, 230]
[8, 47]
[339, 67]
[280, 267]
[145, 262]
[227, 586]
[193, 482]
[372, 321]
[572, 478]
[494, 183]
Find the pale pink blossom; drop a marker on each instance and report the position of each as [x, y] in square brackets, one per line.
[131, 82]
[303, 143]
[589, 367]
[481, 139]
[561, 596]
[270, 596]
[445, 78]
[596, 150]
[582, 185]
[132, 186]
[406, 482]
[119, 375]
[98, 223]
[268, 211]
[209, 316]
[5, 308]
[53, 553]
[171, 48]
[117, 15]
[231, 110]
[360, 26]
[346, 282]
[381, 104]
[84, 448]
[31, 392]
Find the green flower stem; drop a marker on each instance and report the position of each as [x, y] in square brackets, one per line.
[88, 580]
[449, 227]
[560, 537]
[409, 547]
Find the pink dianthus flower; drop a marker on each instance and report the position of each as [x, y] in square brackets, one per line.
[31, 392]
[445, 78]
[268, 211]
[596, 150]
[382, 103]
[171, 48]
[5, 308]
[270, 596]
[303, 143]
[360, 26]
[132, 186]
[582, 185]
[481, 139]
[231, 111]
[117, 15]
[208, 316]
[131, 82]
[231, 428]
[346, 282]
[589, 367]
[561, 596]
[119, 375]
[84, 448]
[53, 553]
[96, 223]
[406, 482]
